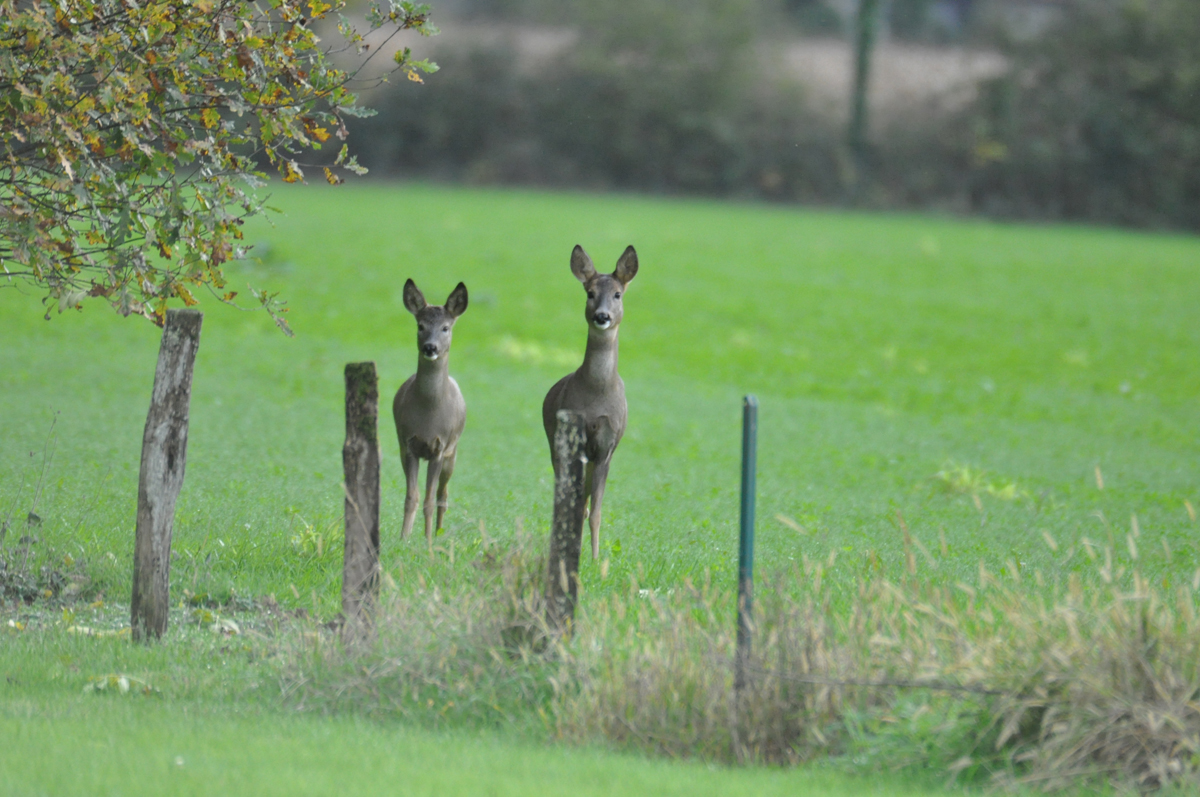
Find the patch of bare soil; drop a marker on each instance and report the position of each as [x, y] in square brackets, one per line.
[906, 79]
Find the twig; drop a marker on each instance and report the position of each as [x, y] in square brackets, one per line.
[938, 686]
[95, 500]
[47, 457]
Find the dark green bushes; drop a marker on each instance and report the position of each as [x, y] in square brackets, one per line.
[668, 99]
[1098, 118]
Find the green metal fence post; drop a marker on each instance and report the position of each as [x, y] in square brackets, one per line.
[746, 539]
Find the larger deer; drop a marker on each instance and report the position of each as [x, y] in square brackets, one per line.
[595, 389]
[429, 408]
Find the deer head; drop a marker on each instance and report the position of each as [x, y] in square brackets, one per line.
[604, 309]
[435, 325]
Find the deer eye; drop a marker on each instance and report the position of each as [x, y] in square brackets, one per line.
[617, 295]
[591, 294]
[446, 328]
[420, 327]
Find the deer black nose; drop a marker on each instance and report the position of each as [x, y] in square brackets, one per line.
[603, 318]
[428, 349]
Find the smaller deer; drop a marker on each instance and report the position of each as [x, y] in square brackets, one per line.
[595, 389]
[429, 409]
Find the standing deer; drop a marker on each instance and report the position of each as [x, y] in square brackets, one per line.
[595, 389]
[429, 409]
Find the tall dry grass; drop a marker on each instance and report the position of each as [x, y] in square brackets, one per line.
[999, 682]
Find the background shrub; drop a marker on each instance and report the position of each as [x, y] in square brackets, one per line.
[1099, 119]
[1096, 119]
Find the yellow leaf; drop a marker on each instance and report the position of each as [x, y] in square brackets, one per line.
[291, 172]
[414, 77]
[210, 117]
[186, 295]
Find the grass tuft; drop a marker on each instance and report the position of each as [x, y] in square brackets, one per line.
[996, 682]
[464, 652]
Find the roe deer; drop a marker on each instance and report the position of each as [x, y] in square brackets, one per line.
[595, 390]
[429, 409]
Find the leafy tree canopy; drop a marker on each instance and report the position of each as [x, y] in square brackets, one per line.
[134, 132]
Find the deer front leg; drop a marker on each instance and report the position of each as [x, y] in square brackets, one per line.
[599, 475]
[443, 493]
[411, 467]
[431, 483]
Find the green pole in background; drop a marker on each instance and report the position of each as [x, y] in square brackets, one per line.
[746, 539]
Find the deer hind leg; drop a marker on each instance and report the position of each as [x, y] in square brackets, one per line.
[411, 467]
[595, 490]
[431, 483]
[443, 493]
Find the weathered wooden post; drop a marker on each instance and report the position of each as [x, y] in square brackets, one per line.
[164, 454]
[360, 463]
[566, 535]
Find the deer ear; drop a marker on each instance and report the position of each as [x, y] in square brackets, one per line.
[456, 304]
[626, 266]
[581, 265]
[414, 300]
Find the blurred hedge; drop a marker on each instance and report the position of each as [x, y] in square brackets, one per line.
[671, 99]
[1098, 119]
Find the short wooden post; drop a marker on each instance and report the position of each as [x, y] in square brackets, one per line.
[360, 463]
[164, 455]
[566, 535]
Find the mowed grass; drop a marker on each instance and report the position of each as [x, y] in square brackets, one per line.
[119, 749]
[1026, 365]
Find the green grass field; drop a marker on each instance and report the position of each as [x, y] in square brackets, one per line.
[1024, 364]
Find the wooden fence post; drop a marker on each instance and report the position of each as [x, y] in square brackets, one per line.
[360, 462]
[164, 454]
[566, 534]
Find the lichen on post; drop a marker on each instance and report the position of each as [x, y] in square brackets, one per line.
[360, 463]
[566, 534]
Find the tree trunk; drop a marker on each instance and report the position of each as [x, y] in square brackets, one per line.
[360, 462]
[164, 454]
[865, 32]
[566, 535]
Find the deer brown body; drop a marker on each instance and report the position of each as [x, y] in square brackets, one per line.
[429, 408]
[595, 389]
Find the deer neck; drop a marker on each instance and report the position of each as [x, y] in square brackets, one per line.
[432, 376]
[599, 367]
